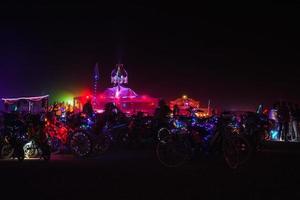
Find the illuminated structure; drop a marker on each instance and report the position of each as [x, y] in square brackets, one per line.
[27, 104]
[125, 98]
[185, 104]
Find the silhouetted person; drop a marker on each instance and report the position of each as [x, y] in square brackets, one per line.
[295, 117]
[140, 115]
[88, 108]
[294, 122]
[176, 110]
[108, 113]
[290, 134]
[161, 114]
[112, 114]
[162, 111]
[283, 118]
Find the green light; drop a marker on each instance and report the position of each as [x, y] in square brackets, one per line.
[62, 96]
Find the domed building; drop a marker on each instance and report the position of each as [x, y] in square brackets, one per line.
[125, 98]
[186, 104]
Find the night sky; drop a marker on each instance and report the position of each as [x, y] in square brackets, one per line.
[235, 55]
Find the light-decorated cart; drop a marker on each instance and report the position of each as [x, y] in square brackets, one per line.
[33, 105]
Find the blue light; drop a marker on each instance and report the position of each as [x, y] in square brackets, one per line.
[274, 134]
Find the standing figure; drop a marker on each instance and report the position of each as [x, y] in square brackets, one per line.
[291, 133]
[295, 118]
[162, 113]
[88, 108]
[283, 118]
[273, 118]
[176, 110]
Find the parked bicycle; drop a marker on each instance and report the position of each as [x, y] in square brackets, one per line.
[213, 136]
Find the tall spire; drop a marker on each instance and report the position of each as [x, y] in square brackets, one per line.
[208, 107]
[96, 79]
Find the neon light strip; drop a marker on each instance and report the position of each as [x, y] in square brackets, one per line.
[25, 98]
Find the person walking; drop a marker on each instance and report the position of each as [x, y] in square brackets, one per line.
[273, 117]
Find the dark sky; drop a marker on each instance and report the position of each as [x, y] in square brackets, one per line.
[236, 55]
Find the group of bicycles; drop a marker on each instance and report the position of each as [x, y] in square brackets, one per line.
[234, 137]
[176, 139]
[23, 136]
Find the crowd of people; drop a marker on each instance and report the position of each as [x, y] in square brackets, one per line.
[280, 123]
[61, 110]
[284, 116]
[286, 120]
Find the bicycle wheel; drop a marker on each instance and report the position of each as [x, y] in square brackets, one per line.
[172, 152]
[6, 151]
[103, 144]
[163, 134]
[80, 144]
[30, 150]
[244, 148]
[55, 144]
[230, 153]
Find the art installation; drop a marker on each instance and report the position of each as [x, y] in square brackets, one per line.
[125, 98]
